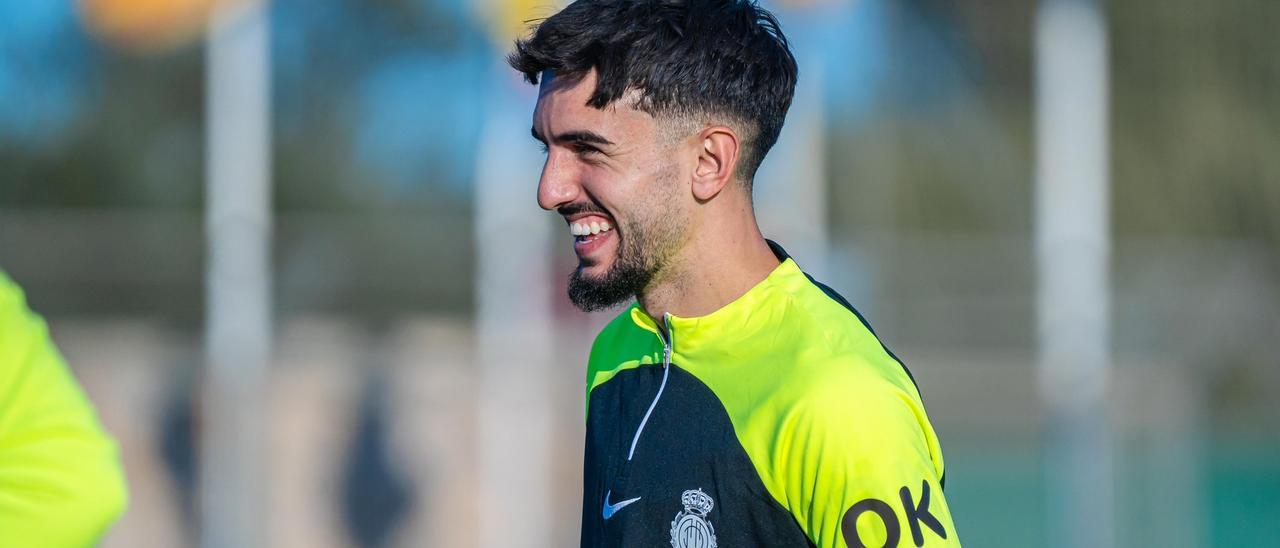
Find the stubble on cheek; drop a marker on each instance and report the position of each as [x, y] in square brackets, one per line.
[647, 239]
[665, 225]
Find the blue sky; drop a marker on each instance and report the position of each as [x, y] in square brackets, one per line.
[405, 95]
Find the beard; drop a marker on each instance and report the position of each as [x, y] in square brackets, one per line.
[645, 246]
[631, 272]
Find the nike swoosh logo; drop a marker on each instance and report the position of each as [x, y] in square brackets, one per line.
[611, 509]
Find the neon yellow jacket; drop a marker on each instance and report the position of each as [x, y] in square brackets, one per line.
[61, 483]
[778, 420]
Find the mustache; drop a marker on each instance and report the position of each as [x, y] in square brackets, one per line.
[581, 207]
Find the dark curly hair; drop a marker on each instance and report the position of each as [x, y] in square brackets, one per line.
[692, 61]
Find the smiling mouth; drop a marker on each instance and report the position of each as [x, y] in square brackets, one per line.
[589, 232]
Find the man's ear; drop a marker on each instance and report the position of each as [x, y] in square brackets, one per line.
[718, 150]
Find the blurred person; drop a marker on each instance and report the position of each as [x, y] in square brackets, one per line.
[737, 402]
[61, 483]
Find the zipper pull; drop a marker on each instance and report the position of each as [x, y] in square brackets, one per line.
[667, 342]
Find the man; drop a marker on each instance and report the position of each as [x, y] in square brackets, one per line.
[738, 402]
[61, 484]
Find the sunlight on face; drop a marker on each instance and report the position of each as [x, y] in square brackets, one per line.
[611, 171]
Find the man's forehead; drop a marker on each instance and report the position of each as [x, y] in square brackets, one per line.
[565, 98]
[575, 89]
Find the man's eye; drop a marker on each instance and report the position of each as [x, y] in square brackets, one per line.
[543, 147]
[582, 148]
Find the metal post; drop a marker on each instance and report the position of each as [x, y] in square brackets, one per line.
[1072, 252]
[238, 321]
[515, 332]
[791, 188]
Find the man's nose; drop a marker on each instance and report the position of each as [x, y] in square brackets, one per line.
[558, 185]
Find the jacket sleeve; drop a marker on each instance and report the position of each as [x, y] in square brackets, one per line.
[61, 483]
[865, 468]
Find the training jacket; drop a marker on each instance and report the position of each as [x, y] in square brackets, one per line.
[778, 420]
[61, 482]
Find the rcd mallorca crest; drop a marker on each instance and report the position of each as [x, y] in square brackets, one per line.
[691, 529]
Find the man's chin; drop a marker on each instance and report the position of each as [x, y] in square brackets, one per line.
[592, 292]
[591, 270]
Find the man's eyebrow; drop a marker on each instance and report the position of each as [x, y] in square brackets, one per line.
[582, 136]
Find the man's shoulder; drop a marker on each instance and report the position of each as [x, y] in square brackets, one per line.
[620, 345]
[620, 335]
[19, 327]
[827, 363]
[835, 386]
[820, 316]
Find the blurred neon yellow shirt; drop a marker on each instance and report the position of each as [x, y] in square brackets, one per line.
[61, 483]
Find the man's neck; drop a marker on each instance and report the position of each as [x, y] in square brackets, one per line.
[711, 272]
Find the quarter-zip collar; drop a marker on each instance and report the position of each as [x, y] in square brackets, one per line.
[751, 314]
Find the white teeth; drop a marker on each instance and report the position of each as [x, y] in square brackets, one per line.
[581, 229]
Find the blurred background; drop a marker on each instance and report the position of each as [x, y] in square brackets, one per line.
[292, 252]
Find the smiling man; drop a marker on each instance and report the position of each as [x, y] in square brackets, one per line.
[737, 402]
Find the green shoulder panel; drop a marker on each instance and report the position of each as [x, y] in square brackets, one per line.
[628, 341]
[61, 483]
